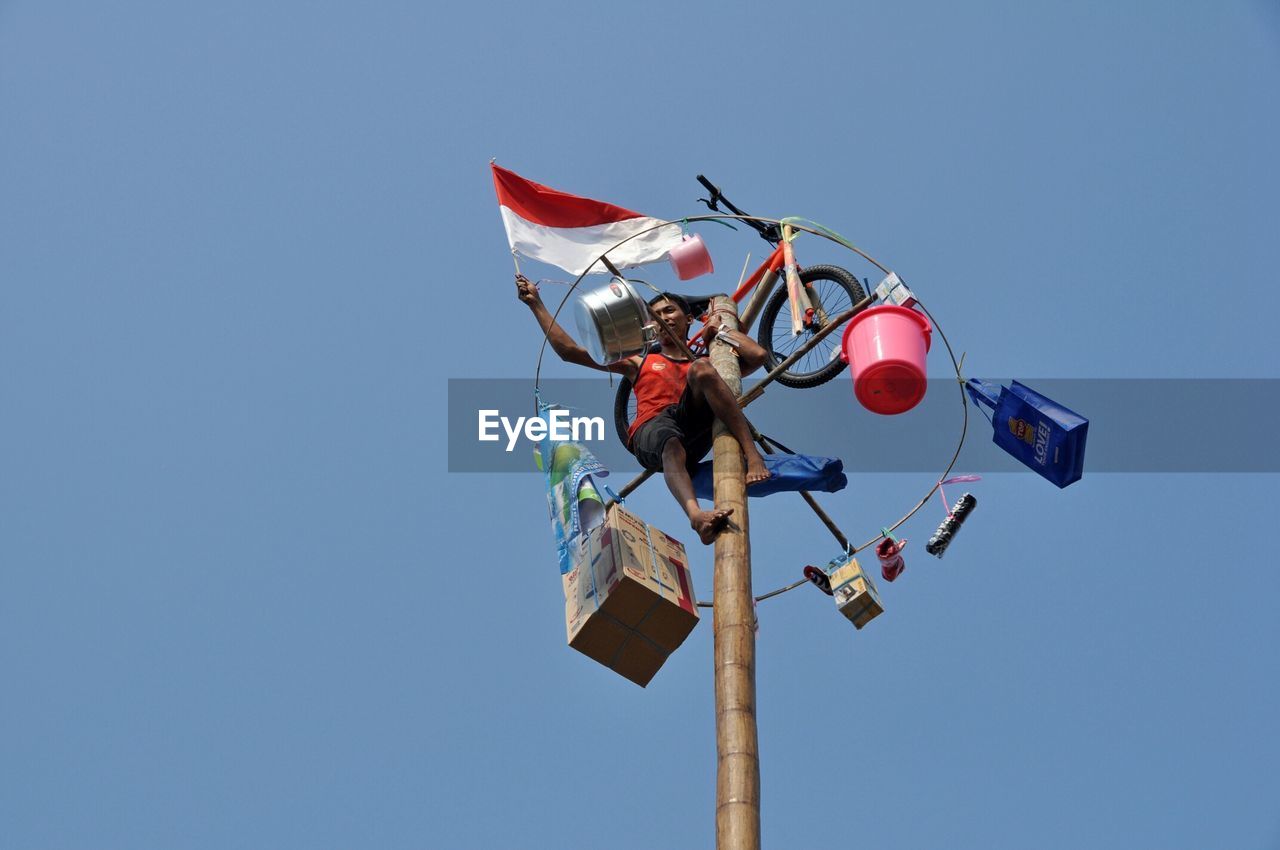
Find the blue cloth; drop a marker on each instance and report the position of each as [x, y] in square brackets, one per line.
[1045, 436]
[790, 473]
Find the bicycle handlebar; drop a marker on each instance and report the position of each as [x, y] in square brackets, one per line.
[769, 232]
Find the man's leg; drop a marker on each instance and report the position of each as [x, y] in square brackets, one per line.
[707, 386]
[706, 523]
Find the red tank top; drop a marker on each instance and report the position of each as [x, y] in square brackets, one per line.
[659, 384]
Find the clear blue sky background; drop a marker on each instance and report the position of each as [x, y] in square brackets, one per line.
[244, 245]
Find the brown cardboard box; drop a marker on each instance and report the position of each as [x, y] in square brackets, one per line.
[640, 659]
[599, 637]
[629, 599]
[855, 594]
[669, 624]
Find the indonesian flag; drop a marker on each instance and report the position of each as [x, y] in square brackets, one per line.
[570, 231]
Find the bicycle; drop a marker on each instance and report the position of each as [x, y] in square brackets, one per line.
[789, 314]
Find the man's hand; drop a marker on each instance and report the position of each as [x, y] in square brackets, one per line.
[715, 328]
[751, 355]
[527, 291]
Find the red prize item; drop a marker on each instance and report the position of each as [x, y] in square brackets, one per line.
[890, 554]
[818, 576]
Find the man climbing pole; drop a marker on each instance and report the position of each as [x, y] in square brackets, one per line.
[677, 400]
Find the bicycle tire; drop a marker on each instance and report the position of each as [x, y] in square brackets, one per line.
[623, 409]
[822, 363]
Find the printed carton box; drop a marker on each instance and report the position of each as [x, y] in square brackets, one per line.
[629, 599]
[668, 625]
[855, 593]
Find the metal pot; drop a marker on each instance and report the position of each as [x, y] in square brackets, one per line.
[613, 321]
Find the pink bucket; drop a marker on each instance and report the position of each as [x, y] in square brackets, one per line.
[690, 258]
[885, 347]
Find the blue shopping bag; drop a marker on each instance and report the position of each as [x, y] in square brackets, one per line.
[1036, 430]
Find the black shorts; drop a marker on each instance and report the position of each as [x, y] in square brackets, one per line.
[690, 421]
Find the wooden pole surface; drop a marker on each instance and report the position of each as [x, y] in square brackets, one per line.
[737, 745]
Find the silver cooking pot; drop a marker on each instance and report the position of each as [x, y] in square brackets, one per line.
[613, 322]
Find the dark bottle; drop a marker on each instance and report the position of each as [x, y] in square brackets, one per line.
[941, 538]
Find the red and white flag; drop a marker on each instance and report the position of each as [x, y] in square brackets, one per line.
[570, 231]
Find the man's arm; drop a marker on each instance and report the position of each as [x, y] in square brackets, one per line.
[561, 343]
[751, 354]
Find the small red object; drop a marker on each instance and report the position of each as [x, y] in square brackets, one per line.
[890, 554]
[819, 577]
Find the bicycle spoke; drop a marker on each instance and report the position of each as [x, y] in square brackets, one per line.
[832, 291]
[835, 300]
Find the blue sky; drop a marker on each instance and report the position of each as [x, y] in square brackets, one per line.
[244, 246]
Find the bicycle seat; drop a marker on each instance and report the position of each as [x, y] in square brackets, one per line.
[698, 303]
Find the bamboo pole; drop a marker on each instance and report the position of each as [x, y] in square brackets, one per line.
[737, 744]
[632, 485]
[758, 298]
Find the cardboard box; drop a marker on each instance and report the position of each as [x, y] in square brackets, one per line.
[892, 290]
[629, 599]
[640, 659]
[855, 593]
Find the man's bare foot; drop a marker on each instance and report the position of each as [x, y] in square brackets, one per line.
[708, 524]
[756, 470]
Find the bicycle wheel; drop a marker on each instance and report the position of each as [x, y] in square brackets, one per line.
[624, 409]
[838, 290]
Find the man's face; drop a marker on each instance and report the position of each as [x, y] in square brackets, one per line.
[671, 313]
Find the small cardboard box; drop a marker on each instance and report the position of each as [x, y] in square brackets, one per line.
[629, 599]
[855, 593]
[892, 290]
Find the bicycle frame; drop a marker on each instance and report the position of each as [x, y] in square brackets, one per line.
[804, 300]
[806, 305]
[807, 310]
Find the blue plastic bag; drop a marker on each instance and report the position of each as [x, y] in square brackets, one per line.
[790, 473]
[1036, 430]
